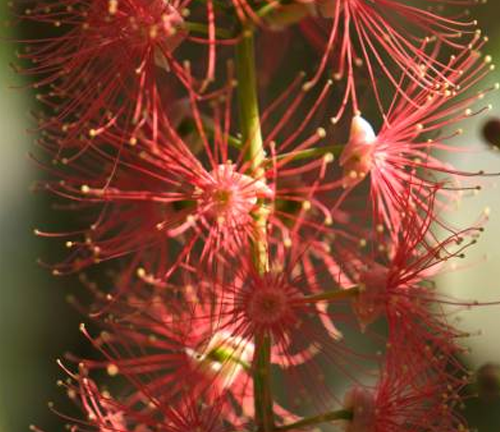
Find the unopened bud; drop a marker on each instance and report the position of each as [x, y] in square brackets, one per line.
[357, 157]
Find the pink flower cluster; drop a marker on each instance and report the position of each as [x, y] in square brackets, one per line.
[265, 183]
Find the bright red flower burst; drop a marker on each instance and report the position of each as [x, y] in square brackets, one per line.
[265, 188]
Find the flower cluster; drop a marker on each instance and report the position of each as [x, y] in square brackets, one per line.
[272, 247]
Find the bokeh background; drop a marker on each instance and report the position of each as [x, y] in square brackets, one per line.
[37, 325]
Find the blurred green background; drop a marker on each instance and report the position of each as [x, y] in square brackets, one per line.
[37, 326]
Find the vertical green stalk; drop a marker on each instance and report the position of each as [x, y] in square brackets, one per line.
[253, 144]
[251, 133]
[248, 100]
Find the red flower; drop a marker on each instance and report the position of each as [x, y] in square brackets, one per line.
[277, 306]
[401, 290]
[387, 36]
[399, 160]
[193, 415]
[168, 350]
[201, 335]
[105, 413]
[153, 194]
[403, 401]
[245, 262]
[177, 197]
[102, 71]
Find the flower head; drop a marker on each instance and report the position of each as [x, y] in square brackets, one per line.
[277, 306]
[400, 159]
[145, 195]
[400, 289]
[402, 400]
[170, 353]
[229, 196]
[102, 70]
[388, 36]
[103, 412]
[178, 198]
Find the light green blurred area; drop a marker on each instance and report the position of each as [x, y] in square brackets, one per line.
[32, 306]
[23, 303]
[478, 276]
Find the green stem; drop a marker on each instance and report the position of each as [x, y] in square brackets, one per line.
[310, 153]
[271, 7]
[263, 396]
[251, 134]
[321, 418]
[254, 146]
[202, 28]
[332, 296]
[188, 126]
[248, 100]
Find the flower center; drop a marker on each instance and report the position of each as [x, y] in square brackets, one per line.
[268, 306]
[370, 303]
[230, 196]
[222, 199]
[362, 404]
